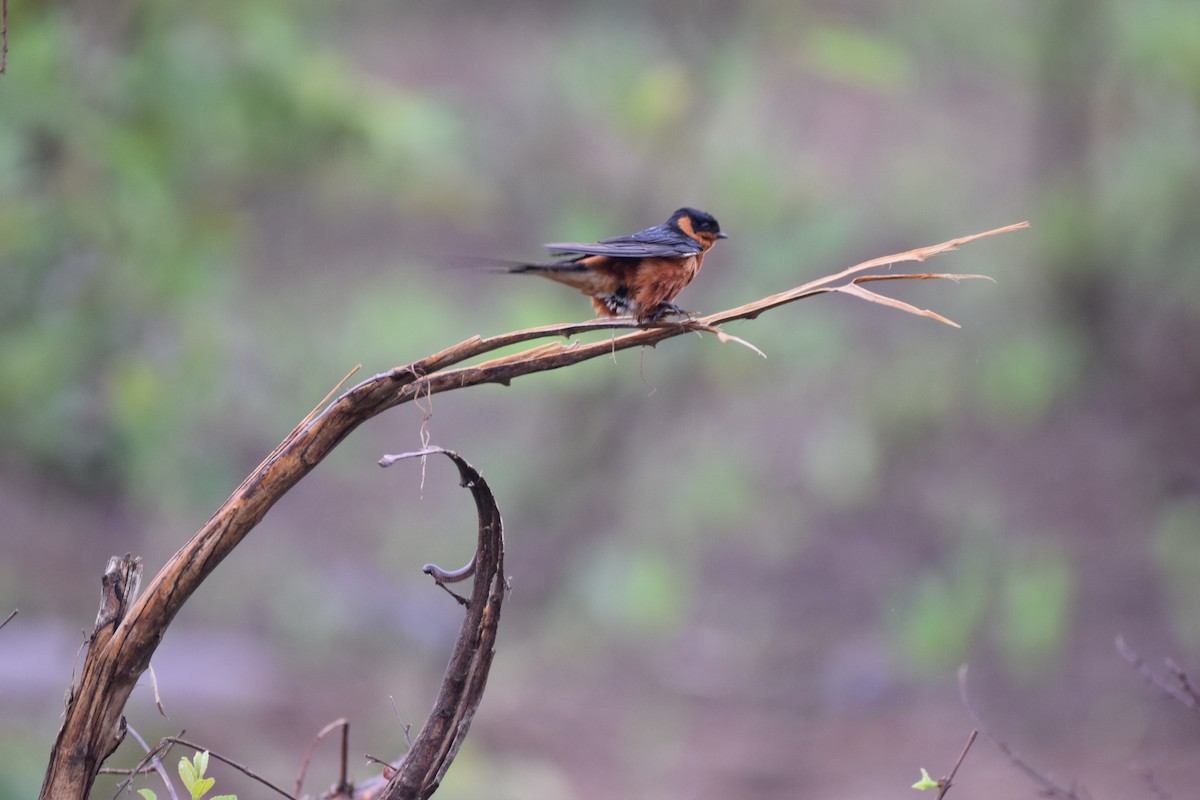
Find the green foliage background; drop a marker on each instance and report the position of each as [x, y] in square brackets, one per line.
[210, 212]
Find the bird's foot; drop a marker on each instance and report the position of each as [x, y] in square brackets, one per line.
[670, 310]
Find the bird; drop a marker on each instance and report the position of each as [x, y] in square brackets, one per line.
[637, 275]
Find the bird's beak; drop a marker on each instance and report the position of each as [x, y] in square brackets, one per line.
[722, 235]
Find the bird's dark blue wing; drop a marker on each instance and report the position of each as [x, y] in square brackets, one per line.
[657, 242]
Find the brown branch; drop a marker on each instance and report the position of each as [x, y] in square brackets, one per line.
[342, 785]
[89, 734]
[120, 649]
[945, 783]
[10, 616]
[421, 770]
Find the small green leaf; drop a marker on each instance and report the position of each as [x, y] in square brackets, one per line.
[192, 775]
[225, 797]
[201, 762]
[201, 787]
[187, 773]
[148, 794]
[926, 782]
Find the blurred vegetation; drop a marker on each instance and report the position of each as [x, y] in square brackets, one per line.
[1176, 545]
[208, 213]
[135, 142]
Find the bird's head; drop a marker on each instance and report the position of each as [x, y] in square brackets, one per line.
[699, 225]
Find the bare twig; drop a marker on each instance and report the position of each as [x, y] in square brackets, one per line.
[3, 36]
[405, 726]
[1183, 690]
[10, 616]
[1186, 684]
[249, 773]
[945, 783]
[387, 769]
[1049, 787]
[342, 785]
[153, 757]
[128, 631]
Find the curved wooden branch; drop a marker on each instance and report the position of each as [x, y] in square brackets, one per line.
[421, 771]
[120, 650]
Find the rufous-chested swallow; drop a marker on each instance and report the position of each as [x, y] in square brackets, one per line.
[637, 275]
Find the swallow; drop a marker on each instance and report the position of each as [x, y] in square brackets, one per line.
[636, 275]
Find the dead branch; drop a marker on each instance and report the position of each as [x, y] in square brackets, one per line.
[127, 632]
[89, 733]
[421, 770]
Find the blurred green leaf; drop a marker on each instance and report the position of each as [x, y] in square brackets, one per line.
[1036, 592]
[1161, 41]
[637, 591]
[707, 492]
[939, 612]
[659, 97]
[840, 459]
[1020, 377]
[1176, 544]
[854, 56]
